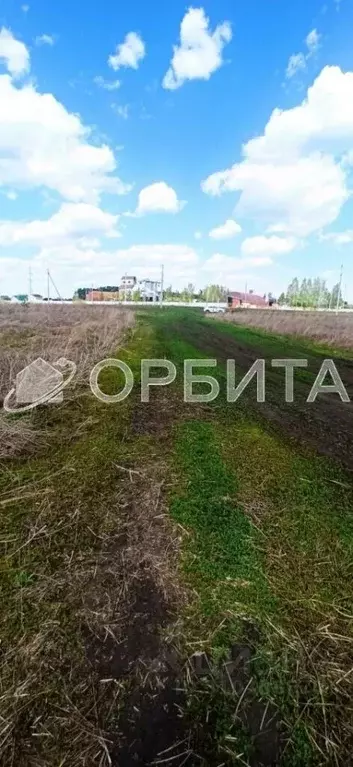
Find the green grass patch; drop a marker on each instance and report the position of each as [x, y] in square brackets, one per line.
[221, 560]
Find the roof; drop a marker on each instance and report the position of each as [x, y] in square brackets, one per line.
[21, 298]
[250, 298]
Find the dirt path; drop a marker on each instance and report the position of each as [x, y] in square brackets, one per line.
[326, 425]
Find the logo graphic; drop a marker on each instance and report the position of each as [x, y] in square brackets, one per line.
[38, 383]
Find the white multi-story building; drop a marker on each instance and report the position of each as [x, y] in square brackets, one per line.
[149, 290]
[128, 283]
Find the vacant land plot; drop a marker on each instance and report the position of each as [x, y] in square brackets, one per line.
[325, 327]
[176, 577]
[81, 334]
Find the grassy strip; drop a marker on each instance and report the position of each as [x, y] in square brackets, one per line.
[221, 562]
[284, 527]
[304, 513]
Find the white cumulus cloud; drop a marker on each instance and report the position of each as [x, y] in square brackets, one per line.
[294, 177]
[44, 145]
[84, 262]
[200, 51]
[263, 246]
[158, 198]
[71, 221]
[14, 53]
[339, 238]
[129, 53]
[226, 231]
[230, 265]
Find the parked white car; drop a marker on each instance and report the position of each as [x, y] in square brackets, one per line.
[214, 309]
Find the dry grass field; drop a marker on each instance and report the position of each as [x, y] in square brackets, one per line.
[175, 578]
[82, 334]
[325, 327]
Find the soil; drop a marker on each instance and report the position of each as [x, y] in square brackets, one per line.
[325, 425]
[151, 723]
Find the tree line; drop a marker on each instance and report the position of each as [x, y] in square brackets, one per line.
[211, 293]
[311, 294]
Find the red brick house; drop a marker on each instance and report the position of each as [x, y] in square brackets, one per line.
[247, 300]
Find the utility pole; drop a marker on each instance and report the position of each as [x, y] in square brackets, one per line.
[162, 286]
[54, 286]
[339, 289]
[48, 285]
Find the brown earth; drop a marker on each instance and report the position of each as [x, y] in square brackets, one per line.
[138, 649]
[325, 425]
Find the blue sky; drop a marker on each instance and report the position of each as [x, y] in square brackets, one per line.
[141, 133]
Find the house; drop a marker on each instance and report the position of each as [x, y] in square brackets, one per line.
[128, 282]
[150, 290]
[127, 287]
[247, 300]
[20, 299]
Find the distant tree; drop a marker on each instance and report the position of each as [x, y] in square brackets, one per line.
[136, 296]
[292, 296]
[311, 294]
[303, 293]
[215, 293]
[109, 288]
[168, 293]
[191, 290]
[336, 297]
[81, 293]
[185, 295]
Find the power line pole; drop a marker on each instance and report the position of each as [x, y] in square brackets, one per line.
[48, 285]
[54, 286]
[339, 289]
